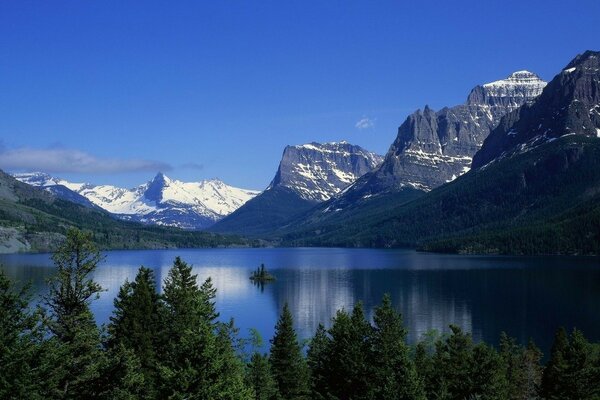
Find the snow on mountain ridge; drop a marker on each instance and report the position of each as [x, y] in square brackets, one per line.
[164, 201]
[318, 171]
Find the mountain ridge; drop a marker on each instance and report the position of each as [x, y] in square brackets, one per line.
[160, 201]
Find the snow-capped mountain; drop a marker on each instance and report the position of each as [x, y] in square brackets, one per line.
[569, 105]
[433, 148]
[319, 171]
[307, 175]
[163, 201]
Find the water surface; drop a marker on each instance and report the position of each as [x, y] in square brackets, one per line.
[524, 296]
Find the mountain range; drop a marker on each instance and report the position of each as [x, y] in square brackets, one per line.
[35, 219]
[161, 201]
[308, 175]
[513, 170]
[533, 187]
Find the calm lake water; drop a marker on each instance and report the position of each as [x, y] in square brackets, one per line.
[524, 296]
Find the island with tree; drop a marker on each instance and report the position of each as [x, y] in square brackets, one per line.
[261, 275]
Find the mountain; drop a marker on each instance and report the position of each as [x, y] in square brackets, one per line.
[161, 201]
[34, 219]
[538, 192]
[433, 148]
[569, 105]
[308, 174]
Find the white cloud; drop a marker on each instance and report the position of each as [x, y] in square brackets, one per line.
[365, 123]
[53, 160]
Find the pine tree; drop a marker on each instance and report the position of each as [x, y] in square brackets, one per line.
[20, 347]
[554, 380]
[260, 379]
[394, 375]
[72, 288]
[318, 363]
[199, 360]
[349, 373]
[583, 364]
[137, 324]
[287, 363]
[75, 335]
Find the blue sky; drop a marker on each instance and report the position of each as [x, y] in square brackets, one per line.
[111, 91]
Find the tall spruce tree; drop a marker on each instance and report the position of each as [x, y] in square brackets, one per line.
[318, 363]
[199, 360]
[394, 375]
[287, 363]
[260, 379]
[20, 343]
[138, 325]
[70, 321]
[555, 383]
[349, 373]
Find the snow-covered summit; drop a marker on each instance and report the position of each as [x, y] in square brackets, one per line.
[162, 200]
[518, 84]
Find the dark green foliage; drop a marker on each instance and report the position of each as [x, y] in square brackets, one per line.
[173, 346]
[137, 325]
[287, 363]
[260, 379]
[199, 358]
[573, 371]
[318, 363]
[261, 275]
[522, 367]
[70, 321]
[461, 369]
[19, 343]
[72, 288]
[543, 201]
[394, 374]
[348, 374]
[265, 213]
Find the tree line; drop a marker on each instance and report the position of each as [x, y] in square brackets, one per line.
[171, 345]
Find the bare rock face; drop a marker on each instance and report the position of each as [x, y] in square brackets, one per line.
[316, 171]
[570, 104]
[433, 148]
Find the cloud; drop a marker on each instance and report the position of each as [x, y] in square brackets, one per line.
[55, 159]
[193, 165]
[365, 123]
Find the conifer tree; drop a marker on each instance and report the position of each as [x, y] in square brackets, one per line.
[394, 375]
[349, 373]
[260, 379]
[318, 363]
[287, 363]
[20, 338]
[137, 324]
[70, 320]
[554, 380]
[199, 360]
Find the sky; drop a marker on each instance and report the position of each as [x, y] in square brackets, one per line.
[114, 91]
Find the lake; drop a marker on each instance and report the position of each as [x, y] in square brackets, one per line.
[524, 296]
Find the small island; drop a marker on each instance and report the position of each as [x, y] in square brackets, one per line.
[261, 275]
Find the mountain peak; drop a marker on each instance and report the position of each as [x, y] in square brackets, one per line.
[317, 171]
[588, 58]
[569, 104]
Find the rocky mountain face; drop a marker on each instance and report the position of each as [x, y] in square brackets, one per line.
[316, 172]
[435, 147]
[161, 201]
[308, 174]
[570, 104]
[533, 188]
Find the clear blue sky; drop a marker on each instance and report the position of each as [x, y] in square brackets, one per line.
[110, 91]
